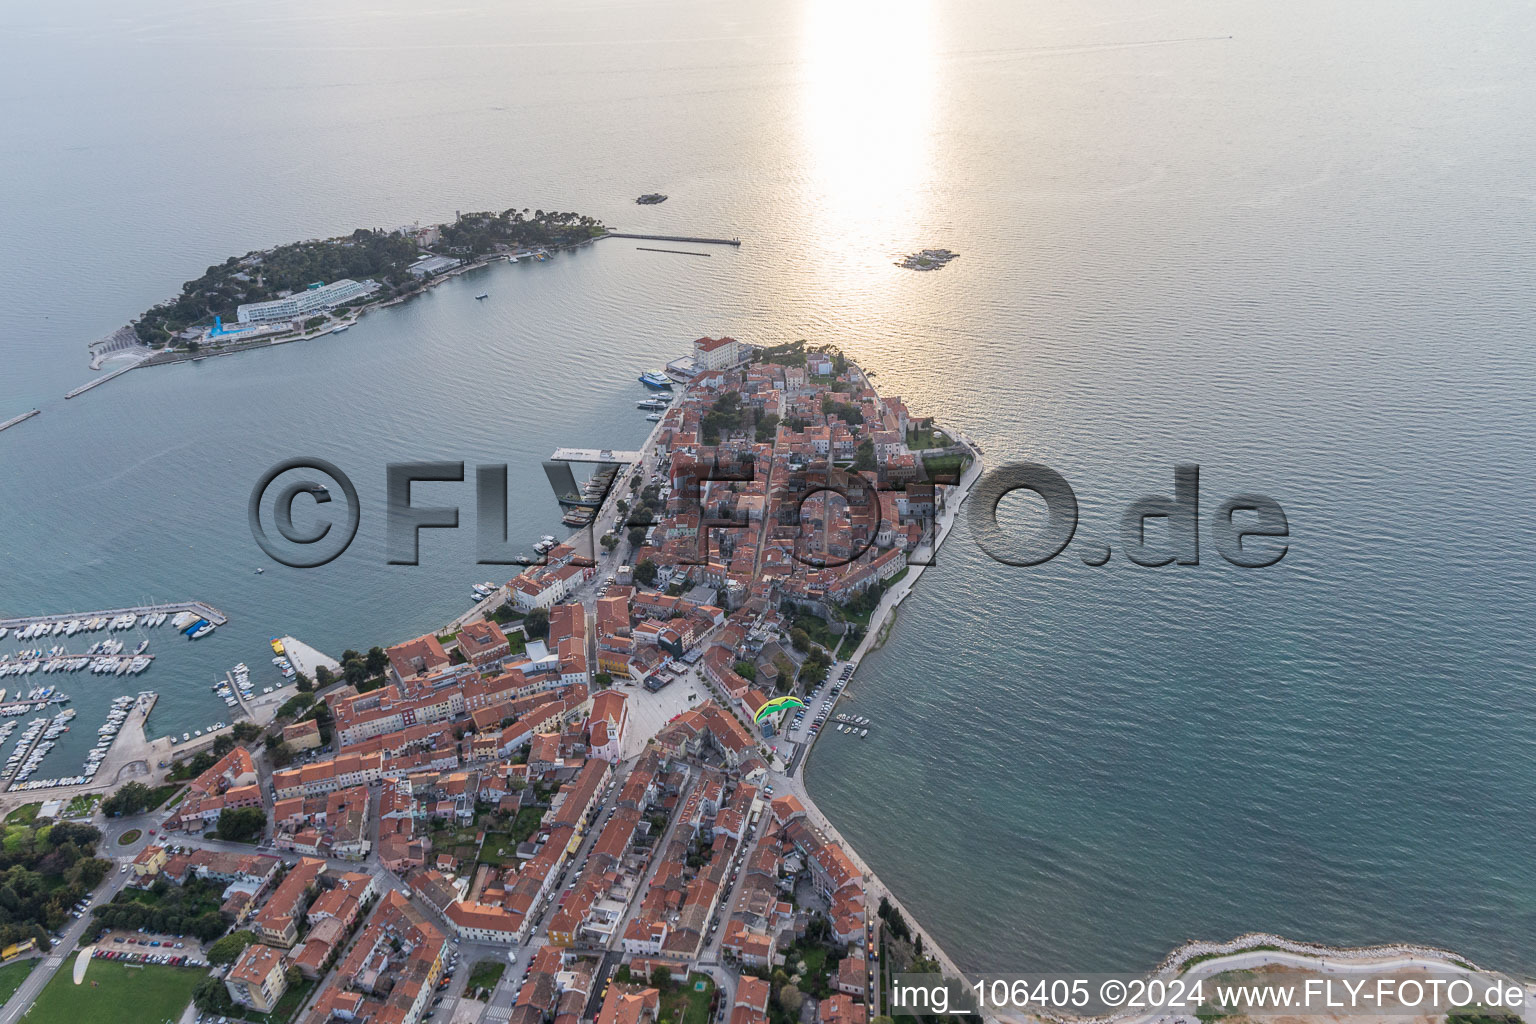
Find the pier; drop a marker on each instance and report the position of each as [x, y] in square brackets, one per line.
[687, 239]
[601, 456]
[206, 611]
[19, 419]
[83, 388]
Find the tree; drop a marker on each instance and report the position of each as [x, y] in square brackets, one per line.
[132, 798]
[377, 661]
[239, 824]
[661, 978]
[323, 677]
[603, 680]
[800, 639]
[210, 996]
[645, 572]
[609, 541]
[636, 536]
[228, 949]
[536, 624]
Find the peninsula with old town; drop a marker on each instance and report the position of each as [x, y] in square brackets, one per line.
[583, 800]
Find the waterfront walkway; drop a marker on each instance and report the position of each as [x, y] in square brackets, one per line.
[793, 778]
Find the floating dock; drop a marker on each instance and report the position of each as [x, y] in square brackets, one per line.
[19, 419]
[206, 611]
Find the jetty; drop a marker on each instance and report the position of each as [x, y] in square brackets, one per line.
[687, 239]
[674, 252]
[99, 381]
[19, 419]
[199, 608]
[601, 456]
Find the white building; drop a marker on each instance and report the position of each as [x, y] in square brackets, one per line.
[314, 299]
[716, 353]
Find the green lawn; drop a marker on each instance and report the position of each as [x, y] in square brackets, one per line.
[82, 805]
[946, 467]
[155, 992]
[486, 974]
[26, 814]
[12, 975]
[688, 1003]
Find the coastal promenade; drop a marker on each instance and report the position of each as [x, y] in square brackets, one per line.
[793, 775]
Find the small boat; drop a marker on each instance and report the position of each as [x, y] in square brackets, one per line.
[654, 417]
[483, 295]
[650, 403]
[863, 733]
[339, 328]
[185, 736]
[260, 571]
[658, 381]
[277, 645]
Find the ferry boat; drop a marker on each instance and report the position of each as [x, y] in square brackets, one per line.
[483, 295]
[339, 328]
[650, 403]
[277, 645]
[658, 381]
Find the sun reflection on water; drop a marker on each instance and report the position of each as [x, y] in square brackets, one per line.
[867, 116]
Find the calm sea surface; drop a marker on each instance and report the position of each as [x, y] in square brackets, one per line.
[1293, 244]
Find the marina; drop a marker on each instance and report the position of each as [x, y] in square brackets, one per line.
[60, 623]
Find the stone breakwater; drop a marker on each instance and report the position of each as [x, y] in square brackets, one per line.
[1201, 959]
[1203, 951]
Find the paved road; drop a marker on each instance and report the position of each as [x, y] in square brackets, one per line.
[504, 996]
[21, 1000]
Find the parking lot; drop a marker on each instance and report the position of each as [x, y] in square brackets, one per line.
[147, 948]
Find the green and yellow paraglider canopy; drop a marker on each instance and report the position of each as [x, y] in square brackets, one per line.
[774, 706]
